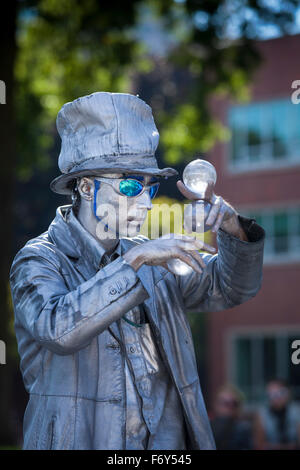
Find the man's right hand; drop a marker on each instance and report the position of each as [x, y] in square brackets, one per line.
[160, 251]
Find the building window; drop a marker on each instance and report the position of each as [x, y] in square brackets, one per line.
[257, 358]
[264, 135]
[282, 228]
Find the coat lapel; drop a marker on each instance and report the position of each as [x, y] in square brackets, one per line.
[145, 274]
[86, 256]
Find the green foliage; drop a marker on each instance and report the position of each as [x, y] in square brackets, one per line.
[67, 49]
[186, 132]
[218, 51]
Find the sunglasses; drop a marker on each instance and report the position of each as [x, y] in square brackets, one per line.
[130, 187]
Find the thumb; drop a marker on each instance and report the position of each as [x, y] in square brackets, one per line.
[186, 192]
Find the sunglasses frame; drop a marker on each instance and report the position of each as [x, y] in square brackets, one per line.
[115, 183]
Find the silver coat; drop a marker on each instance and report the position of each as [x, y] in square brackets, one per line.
[67, 312]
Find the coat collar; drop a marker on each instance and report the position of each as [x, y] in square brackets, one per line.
[76, 242]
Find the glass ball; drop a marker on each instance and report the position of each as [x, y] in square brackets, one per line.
[178, 267]
[195, 215]
[197, 175]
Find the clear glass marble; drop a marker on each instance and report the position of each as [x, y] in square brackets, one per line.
[197, 175]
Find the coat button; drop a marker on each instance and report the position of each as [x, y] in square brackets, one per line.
[132, 349]
[113, 291]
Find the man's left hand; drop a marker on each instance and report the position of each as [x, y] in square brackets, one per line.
[221, 215]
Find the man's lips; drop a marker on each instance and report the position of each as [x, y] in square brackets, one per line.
[136, 219]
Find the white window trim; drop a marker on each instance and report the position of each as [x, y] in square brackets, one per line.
[270, 257]
[259, 167]
[266, 163]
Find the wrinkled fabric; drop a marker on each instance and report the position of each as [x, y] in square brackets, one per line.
[108, 125]
[152, 402]
[106, 131]
[67, 317]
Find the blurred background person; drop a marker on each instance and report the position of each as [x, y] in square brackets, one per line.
[277, 425]
[230, 430]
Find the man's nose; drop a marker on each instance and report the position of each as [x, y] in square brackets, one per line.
[144, 200]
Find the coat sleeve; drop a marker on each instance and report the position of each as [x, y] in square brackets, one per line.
[65, 321]
[232, 276]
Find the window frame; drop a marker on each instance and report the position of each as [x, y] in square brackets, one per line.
[267, 215]
[268, 162]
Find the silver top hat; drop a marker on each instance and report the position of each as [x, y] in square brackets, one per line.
[106, 132]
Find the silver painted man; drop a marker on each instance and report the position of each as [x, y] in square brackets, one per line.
[106, 349]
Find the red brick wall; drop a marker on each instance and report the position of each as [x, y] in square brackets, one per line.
[278, 302]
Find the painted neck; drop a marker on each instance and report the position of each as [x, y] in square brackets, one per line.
[88, 220]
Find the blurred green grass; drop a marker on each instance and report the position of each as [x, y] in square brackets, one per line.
[10, 448]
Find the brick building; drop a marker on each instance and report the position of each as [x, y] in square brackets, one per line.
[259, 174]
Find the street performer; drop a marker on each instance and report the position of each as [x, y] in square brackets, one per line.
[106, 349]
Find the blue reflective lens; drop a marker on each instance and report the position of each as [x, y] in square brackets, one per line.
[130, 187]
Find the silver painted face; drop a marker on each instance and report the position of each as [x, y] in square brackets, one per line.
[121, 216]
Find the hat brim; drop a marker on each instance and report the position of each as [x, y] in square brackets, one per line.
[63, 184]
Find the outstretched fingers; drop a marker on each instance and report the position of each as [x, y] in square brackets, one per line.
[194, 244]
[214, 211]
[189, 259]
[186, 192]
[219, 219]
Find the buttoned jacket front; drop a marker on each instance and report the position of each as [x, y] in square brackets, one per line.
[67, 313]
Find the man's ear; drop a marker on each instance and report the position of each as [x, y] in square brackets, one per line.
[86, 188]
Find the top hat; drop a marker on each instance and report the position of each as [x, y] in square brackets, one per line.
[106, 133]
